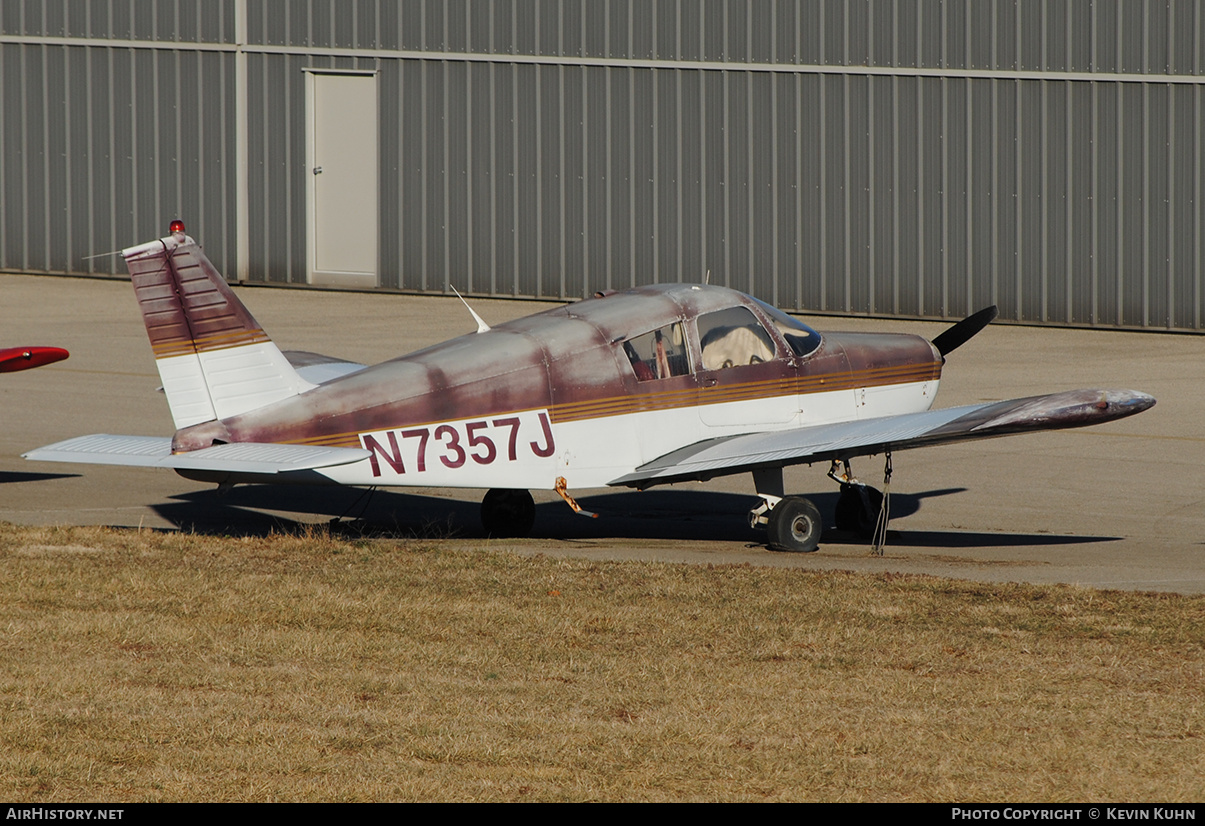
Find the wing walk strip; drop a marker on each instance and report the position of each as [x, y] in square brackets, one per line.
[690, 397]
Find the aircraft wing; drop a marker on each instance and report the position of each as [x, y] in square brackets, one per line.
[844, 440]
[156, 451]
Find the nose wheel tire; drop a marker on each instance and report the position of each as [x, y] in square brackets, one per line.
[858, 509]
[508, 513]
[795, 525]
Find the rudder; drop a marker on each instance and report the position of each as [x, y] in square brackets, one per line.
[214, 358]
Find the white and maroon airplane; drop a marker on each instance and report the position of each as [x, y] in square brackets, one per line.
[645, 387]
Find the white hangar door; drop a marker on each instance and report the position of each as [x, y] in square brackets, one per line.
[341, 190]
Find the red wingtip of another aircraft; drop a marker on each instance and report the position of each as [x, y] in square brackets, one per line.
[13, 359]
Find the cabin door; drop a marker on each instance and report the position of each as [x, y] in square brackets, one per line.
[341, 179]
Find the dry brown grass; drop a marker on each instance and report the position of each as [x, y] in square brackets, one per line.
[149, 666]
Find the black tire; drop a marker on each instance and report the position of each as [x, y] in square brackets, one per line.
[508, 513]
[858, 509]
[795, 526]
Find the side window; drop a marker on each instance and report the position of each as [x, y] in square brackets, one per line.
[659, 354]
[732, 337]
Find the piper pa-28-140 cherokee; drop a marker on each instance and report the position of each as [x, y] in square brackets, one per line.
[650, 386]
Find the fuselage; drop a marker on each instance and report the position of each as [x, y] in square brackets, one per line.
[589, 391]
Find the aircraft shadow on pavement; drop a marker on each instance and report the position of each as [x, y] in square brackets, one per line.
[684, 515]
[8, 476]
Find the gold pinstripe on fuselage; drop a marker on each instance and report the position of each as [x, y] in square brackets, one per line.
[744, 391]
[692, 396]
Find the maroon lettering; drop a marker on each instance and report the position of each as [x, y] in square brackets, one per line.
[481, 446]
[452, 444]
[393, 456]
[483, 441]
[549, 447]
[513, 424]
[422, 436]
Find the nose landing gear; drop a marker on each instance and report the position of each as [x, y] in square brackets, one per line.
[858, 506]
[793, 523]
[862, 509]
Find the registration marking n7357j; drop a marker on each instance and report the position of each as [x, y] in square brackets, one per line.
[514, 437]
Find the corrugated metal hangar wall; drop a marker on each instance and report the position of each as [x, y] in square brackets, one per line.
[899, 157]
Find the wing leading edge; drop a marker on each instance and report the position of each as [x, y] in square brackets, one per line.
[844, 440]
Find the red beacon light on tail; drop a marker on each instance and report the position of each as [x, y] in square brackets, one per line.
[177, 229]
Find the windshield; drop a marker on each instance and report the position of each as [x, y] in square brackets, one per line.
[801, 338]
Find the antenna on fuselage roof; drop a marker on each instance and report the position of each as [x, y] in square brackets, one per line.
[482, 327]
[707, 277]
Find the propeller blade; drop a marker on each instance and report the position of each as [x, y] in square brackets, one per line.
[963, 331]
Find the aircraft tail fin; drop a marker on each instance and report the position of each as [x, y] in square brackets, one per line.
[214, 359]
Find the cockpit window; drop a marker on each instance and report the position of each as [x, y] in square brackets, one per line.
[659, 354]
[733, 337]
[801, 338]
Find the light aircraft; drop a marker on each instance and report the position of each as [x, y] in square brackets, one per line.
[13, 359]
[646, 387]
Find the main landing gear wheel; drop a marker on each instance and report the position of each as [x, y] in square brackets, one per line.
[795, 525]
[508, 513]
[858, 509]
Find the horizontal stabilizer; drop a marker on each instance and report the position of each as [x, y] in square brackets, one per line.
[844, 440]
[155, 451]
[319, 369]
